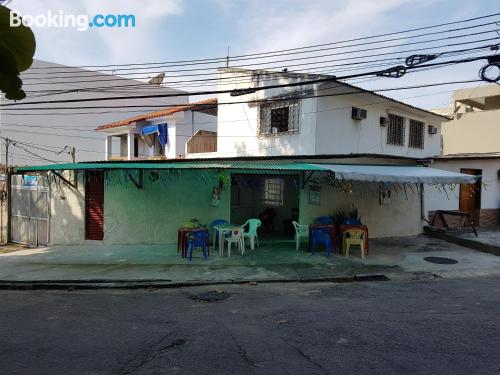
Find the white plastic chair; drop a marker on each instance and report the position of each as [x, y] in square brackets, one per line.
[253, 224]
[301, 230]
[236, 237]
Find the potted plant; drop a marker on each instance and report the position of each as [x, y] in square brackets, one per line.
[352, 217]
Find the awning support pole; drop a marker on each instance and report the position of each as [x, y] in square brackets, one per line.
[66, 181]
[138, 184]
[305, 179]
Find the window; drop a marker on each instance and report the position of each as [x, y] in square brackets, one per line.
[396, 130]
[278, 118]
[416, 134]
[273, 191]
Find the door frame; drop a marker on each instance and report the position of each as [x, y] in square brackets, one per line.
[478, 193]
[88, 175]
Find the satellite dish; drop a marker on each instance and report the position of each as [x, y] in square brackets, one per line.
[158, 80]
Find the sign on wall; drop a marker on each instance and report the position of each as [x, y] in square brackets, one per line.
[314, 194]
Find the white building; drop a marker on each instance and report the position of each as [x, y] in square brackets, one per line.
[168, 133]
[291, 154]
[471, 145]
[46, 132]
[328, 118]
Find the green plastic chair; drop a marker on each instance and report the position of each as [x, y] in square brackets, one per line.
[251, 233]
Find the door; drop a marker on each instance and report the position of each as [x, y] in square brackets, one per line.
[470, 195]
[30, 210]
[94, 206]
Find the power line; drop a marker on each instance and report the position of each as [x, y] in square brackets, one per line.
[239, 92]
[72, 75]
[237, 136]
[223, 58]
[275, 67]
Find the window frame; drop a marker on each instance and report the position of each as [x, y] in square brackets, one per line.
[414, 141]
[393, 137]
[273, 195]
[265, 128]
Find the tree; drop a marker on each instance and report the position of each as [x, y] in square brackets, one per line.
[17, 47]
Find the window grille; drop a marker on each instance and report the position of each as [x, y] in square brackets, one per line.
[279, 118]
[416, 134]
[396, 130]
[273, 191]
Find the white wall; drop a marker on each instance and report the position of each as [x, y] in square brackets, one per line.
[325, 124]
[238, 123]
[490, 193]
[338, 133]
[54, 129]
[67, 211]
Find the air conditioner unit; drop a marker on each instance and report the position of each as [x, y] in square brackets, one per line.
[432, 129]
[384, 121]
[358, 113]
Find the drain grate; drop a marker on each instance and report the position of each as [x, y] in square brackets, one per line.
[440, 260]
[211, 296]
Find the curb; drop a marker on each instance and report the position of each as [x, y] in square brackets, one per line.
[471, 244]
[167, 284]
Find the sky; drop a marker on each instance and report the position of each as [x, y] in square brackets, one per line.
[169, 30]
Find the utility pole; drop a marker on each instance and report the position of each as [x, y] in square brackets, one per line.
[73, 154]
[7, 144]
[7, 188]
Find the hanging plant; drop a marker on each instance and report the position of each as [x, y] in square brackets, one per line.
[224, 179]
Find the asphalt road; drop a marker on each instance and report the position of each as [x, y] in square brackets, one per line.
[419, 327]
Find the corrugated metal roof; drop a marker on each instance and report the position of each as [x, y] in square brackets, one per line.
[176, 165]
[352, 172]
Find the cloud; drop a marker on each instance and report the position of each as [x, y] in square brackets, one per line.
[104, 45]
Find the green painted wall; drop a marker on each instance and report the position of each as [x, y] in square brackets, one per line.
[153, 214]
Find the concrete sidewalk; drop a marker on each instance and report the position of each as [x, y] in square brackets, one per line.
[398, 258]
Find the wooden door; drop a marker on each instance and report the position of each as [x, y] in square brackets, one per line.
[94, 206]
[470, 195]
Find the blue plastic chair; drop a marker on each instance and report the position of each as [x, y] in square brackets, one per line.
[198, 239]
[212, 227]
[321, 236]
[323, 220]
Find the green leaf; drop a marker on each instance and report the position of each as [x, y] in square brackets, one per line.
[20, 41]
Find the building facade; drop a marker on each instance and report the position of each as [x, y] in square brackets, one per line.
[50, 132]
[317, 119]
[168, 133]
[471, 145]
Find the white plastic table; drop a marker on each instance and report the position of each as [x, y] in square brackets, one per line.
[221, 230]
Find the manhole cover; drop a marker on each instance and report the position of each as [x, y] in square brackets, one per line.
[440, 260]
[211, 296]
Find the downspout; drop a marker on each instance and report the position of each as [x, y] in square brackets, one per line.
[423, 216]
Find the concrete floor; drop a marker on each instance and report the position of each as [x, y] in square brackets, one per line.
[276, 260]
[485, 236]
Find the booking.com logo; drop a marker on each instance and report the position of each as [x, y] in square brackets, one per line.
[82, 22]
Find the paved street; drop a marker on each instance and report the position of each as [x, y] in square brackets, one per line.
[419, 327]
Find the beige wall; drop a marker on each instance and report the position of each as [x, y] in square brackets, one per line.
[475, 132]
[398, 216]
[67, 211]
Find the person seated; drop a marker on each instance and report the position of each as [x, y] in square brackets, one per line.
[267, 218]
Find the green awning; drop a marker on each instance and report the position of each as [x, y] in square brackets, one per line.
[349, 172]
[172, 165]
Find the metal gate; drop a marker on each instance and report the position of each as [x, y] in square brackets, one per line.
[30, 210]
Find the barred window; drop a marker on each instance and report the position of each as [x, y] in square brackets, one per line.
[396, 130]
[416, 134]
[278, 118]
[273, 191]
